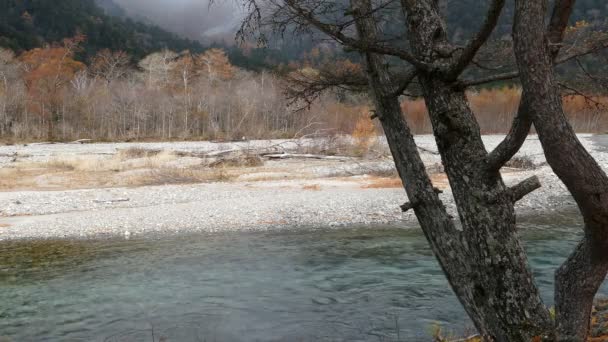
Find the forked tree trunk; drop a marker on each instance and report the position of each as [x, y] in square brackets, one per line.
[484, 261]
[579, 278]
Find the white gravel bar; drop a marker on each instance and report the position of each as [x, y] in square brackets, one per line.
[240, 205]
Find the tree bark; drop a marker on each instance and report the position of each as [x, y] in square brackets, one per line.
[442, 233]
[506, 304]
[579, 278]
[484, 262]
[522, 123]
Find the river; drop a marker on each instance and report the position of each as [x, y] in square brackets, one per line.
[351, 284]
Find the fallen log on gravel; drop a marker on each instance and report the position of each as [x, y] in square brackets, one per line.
[305, 156]
[82, 141]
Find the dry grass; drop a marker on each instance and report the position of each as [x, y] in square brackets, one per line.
[439, 180]
[124, 160]
[131, 167]
[383, 183]
[137, 152]
[341, 117]
[238, 161]
[495, 109]
[61, 164]
[364, 134]
[384, 173]
[167, 176]
[331, 145]
[46, 179]
[312, 187]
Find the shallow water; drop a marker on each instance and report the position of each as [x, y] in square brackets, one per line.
[355, 284]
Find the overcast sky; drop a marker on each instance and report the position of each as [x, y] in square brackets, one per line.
[191, 18]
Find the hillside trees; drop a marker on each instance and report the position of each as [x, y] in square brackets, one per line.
[46, 94]
[110, 65]
[157, 67]
[12, 92]
[48, 73]
[480, 251]
[113, 99]
[215, 65]
[185, 72]
[25, 25]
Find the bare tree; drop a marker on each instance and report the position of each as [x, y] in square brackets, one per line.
[480, 253]
[579, 278]
[157, 67]
[11, 89]
[110, 65]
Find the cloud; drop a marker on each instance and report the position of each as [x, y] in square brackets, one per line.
[193, 19]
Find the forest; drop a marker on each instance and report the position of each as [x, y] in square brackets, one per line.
[47, 94]
[70, 71]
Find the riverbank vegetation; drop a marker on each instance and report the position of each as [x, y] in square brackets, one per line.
[46, 94]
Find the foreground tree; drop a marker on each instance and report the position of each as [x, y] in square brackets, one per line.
[480, 253]
[579, 278]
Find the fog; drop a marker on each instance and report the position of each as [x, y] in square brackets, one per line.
[193, 19]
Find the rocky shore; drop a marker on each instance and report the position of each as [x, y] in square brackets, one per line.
[282, 195]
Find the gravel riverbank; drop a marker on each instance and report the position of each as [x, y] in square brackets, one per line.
[319, 199]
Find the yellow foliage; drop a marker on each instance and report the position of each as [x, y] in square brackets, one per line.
[581, 24]
[216, 64]
[364, 129]
[346, 67]
[364, 133]
[306, 72]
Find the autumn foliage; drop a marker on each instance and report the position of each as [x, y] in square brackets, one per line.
[48, 71]
[47, 94]
[495, 109]
[364, 133]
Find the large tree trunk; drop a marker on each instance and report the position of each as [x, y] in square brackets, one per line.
[579, 278]
[484, 261]
[506, 304]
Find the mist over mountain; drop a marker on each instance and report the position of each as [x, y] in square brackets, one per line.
[192, 19]
[140, 27]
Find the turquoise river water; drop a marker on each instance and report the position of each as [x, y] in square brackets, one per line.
[352, 284]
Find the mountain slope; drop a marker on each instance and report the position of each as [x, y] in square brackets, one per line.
[26, 24]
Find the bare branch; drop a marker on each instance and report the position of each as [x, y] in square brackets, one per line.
[251, 22]
[336, 32]
[522, 123]
[590, 49]
[407, 206]
[593, 47]
[525, 187]
[599, 81]
[488, 79]
[572, 90]
[477, 42]
[309, 84]
[405, 82]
